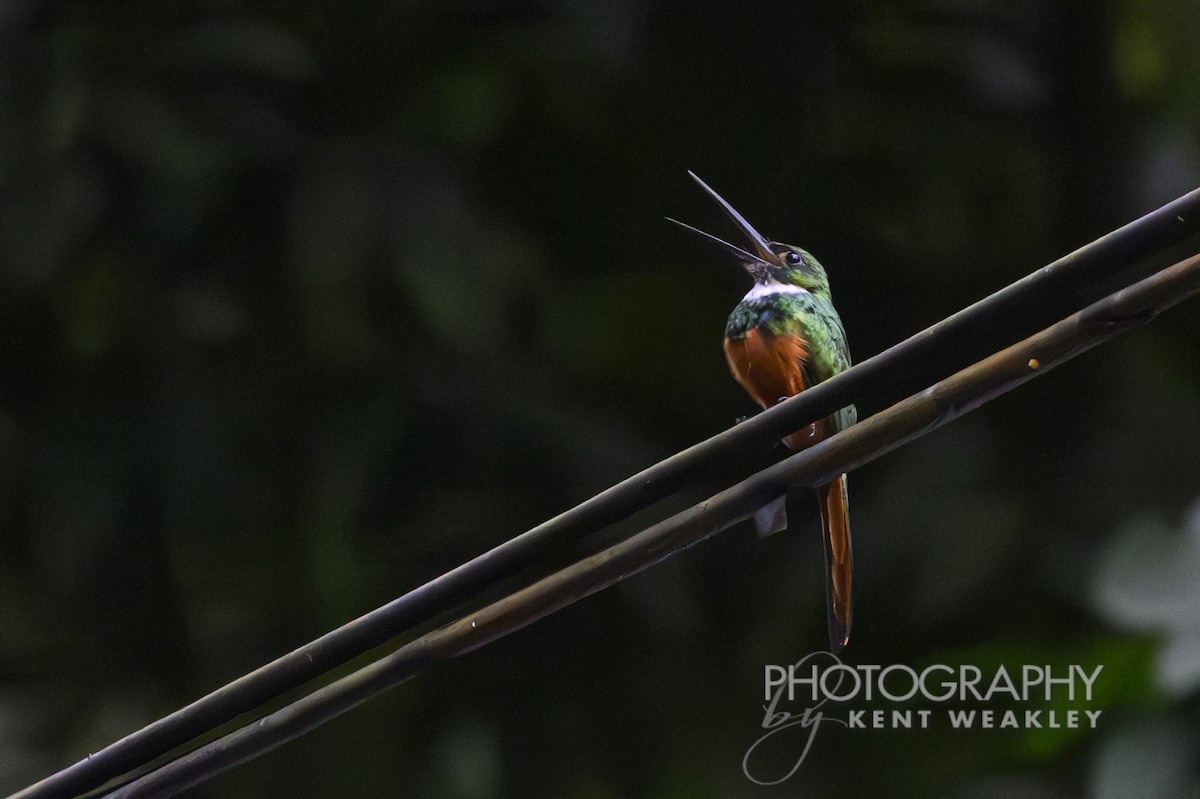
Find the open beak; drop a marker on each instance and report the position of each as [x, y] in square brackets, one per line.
[762, 255]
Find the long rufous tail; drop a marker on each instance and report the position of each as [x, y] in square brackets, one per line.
[839, 563]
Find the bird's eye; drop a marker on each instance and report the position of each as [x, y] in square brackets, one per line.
[793, 258]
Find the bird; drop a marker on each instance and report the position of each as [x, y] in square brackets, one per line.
[783, 337]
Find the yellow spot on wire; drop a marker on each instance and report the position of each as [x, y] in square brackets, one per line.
[1034, 363]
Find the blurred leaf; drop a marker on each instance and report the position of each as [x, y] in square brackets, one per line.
[1146, 580]
[469, 761]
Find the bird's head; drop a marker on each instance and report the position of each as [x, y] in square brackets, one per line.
[768, 262]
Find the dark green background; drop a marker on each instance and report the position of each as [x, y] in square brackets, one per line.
[302, 304]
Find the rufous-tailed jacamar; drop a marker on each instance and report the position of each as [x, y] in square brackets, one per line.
[783, 337]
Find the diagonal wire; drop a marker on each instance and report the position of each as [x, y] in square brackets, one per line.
[1020, 309]
[883, 432]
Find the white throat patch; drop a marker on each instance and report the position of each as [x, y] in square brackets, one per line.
[761, 290]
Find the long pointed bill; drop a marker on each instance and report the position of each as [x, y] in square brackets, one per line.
[760, 244]
[741, 254]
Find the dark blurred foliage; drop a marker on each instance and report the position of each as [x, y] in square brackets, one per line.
[305, 303]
